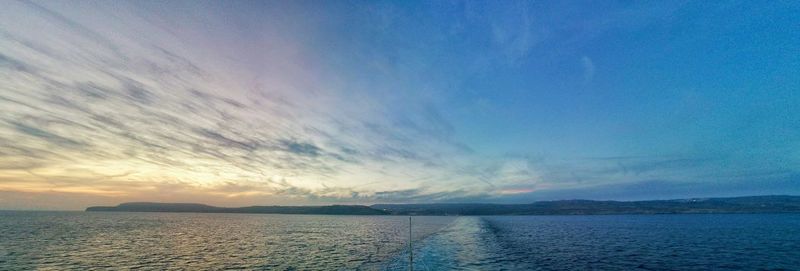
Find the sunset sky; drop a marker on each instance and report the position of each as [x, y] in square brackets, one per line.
[236, 103]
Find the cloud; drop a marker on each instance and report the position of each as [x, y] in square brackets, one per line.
[121, 114]
[650, 189]
[588, 69]
[301, 148]
[514, 30]
[10, 63]
[55, 139]
[137, 101]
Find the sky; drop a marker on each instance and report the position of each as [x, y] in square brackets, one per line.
[236, 103]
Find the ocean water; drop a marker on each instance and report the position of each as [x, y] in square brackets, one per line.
[185, 241]
[158, 241]
[613, 242]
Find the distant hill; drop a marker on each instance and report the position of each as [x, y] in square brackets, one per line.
[753, 204]
[202, 208]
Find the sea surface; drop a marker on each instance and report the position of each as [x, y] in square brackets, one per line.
[183, 241]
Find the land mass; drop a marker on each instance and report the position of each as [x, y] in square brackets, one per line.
[752, 204]
[202, 208]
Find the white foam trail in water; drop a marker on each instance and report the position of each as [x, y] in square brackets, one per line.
[467, 244]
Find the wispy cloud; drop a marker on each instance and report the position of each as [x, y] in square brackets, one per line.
[289, 103]
[588, 69]
[110, 117]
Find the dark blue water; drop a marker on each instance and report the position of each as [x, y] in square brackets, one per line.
[624, 242]
[158, 241]
[652, 242]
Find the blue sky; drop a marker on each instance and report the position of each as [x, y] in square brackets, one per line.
[318, 102]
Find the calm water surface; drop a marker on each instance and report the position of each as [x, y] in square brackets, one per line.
[78, 240]
[624, 242]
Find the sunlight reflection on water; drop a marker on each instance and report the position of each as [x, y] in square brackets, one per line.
[79, 240]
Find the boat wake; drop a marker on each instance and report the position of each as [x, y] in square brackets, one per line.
[469, 243]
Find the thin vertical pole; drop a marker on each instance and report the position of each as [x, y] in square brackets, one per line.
[410, 247]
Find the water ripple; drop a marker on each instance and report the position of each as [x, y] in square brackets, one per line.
[161, 241]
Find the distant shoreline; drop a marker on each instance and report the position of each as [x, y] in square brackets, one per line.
[202, 208]
[731, 205]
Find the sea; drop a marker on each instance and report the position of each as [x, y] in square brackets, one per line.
[189, 241]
